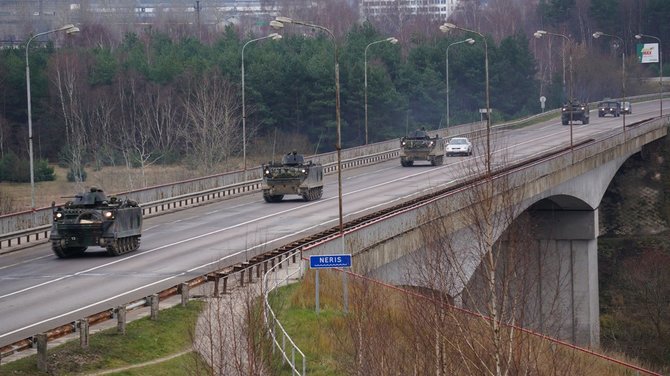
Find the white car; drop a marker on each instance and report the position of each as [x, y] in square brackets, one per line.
[459, 145]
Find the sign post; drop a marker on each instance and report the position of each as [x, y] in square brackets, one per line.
[328, 262]
[542, 100]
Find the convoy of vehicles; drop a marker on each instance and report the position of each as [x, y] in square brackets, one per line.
[419, 146]
[575, 110]
[292, 176]
[92, 219]
[459, 146]
[609, 108]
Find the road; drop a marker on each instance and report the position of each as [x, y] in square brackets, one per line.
[38, 291]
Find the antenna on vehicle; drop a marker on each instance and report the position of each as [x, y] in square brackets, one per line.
[274, 144]
[316, 150]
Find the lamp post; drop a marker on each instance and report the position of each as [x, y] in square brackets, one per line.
[391, 40]
[278, 23]
[446, 27]
[68, 29]
[469, 41]
[599, 34]
[273, 36]
[539, 34]
[660, 67]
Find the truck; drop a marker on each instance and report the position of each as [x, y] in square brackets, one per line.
[419, 146]
[93, 219]
[292, 176]
[575, 110]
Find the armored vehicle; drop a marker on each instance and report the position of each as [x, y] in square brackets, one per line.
[92, 219]
[575, 110]
[419, 146]
[609, 108]
[292, 176]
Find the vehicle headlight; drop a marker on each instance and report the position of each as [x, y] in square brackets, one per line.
[564, 109]
[430, 143]
[583, 108]
[58, 216]
[304, 171]
[267, 172]
[108, 214]
[403, 143]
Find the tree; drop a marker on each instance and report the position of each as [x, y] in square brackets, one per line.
[213, 115]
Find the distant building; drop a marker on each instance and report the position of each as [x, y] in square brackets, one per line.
[437, 9]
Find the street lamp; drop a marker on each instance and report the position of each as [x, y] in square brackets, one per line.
[469, 41]
[445, 28]
[273, 36]
[599, 34]
[539, 34]
[391, 40]
[660, 67]
[278, 23]
[69, 30]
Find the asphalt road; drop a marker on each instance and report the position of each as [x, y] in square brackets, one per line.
[38, 291]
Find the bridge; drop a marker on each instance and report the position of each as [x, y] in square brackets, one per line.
[536, 177]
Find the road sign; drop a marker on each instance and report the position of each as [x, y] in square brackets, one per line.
[329, 261]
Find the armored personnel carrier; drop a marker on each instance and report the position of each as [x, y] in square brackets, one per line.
[419, 146]
[92, 219]
[292, 176]
[575, 110]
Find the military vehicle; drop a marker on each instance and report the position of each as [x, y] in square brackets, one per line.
[292, 176]
[575, 110]
[91, 219]
[419, 146]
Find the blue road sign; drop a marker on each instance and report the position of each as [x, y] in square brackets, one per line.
[329, 261]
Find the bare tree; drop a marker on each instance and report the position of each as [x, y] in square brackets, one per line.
[213, 115]
[69, 74]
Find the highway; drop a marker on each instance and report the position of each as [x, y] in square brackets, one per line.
[38, 291]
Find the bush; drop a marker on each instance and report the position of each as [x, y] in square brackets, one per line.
[76, 175]
[18, 170]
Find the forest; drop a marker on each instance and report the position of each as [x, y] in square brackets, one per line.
[163, 96]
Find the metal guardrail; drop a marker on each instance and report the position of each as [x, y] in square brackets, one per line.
[240, 274]
[272, 323]
[23, 228]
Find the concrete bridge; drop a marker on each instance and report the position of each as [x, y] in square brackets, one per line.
[527, 232]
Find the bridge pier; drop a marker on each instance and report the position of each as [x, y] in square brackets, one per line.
[565, 263]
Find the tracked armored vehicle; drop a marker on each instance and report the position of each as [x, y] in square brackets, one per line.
[292, 176]
[575, 110]
[92, 219]
[419, 146]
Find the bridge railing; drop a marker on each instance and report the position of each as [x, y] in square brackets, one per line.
[275, 329]
[26, 227]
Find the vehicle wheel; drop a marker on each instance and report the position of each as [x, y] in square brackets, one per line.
[585, 120]
[433, 161]
[600, 115]
[66, 252]
[318, 193]
[437, 161]
[564, 121]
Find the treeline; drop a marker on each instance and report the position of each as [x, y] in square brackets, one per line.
[152, 99]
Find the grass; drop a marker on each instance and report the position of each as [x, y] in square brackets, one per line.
[326, 338]
[145, 340]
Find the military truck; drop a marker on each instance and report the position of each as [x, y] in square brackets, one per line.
[292, 176]
[575, 110]
[419, 146]
[92, 219]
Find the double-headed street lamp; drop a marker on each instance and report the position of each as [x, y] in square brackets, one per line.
[599, 34]
[469, 41]
[660, 67]
[69, 30]
[391, 40]
[273, 36]
[539, 34]
[445, 28]
[278, 23]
